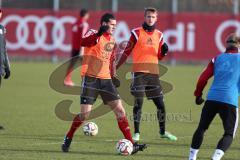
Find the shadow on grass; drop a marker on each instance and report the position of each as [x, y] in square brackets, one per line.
[34, 137]
[59, 138]
[177, 144]
[54, 151]
[105, 140]
[154, 155]
[87, 153]
[167, 156]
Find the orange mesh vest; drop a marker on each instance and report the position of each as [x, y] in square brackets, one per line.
[96, 59]
[145, 52]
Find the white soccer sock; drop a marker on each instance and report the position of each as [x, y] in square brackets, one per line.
[218, 154]
[193, 154]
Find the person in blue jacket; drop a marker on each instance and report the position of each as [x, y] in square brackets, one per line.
[222, 98]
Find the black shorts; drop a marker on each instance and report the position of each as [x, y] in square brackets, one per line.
[75, 52]
[146, 83]
[227, 112]
[92, 87]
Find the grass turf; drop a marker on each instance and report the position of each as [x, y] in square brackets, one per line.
[32, 130]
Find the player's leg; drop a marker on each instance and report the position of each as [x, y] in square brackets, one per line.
[137, 112]
[154, 92]
[208, 113]
[88, 97]
[1, 127]
[229, 116]
[76, 123]
[137, 90]
[79, 119]
[123, 125]
[119, 111]
[68, 79]
[111, 97]
[161, 115]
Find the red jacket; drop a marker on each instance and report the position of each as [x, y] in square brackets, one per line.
[79, 28]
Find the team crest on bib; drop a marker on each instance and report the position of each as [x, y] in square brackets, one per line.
[109, 46]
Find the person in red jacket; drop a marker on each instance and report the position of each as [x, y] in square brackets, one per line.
[79, 28]
[147, 48]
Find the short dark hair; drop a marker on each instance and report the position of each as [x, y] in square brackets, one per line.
[107, 17]
[150, 9]
[83, 12]
[233, 40]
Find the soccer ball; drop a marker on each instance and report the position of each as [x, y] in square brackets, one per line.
[90, 129]
[124, 147]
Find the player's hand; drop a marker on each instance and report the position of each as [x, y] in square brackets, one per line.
[199, 100]
[102, 30]
[164, 49]
[7, 73]
[116, 82]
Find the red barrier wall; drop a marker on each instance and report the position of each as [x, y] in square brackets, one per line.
[191, 36]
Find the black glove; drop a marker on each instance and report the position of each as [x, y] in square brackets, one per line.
[116, 82]
[102, 30]
[199, 100]
[164, 49]
[7, 73]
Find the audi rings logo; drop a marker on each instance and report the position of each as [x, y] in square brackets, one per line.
[223, 27]
[40, 32]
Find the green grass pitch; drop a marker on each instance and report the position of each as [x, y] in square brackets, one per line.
[33, 132]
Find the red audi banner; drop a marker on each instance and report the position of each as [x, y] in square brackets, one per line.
[190, 36]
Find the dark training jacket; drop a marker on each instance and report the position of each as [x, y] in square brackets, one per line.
[4, 62]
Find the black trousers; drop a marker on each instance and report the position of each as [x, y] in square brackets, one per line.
[148, 84]
[229, 116]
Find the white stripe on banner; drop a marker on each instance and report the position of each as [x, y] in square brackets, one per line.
[236, 123]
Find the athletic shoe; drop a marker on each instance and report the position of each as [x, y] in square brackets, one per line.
[68, 82]
[136, 137]
[138, 147]
[169, 136]
[66, 144]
